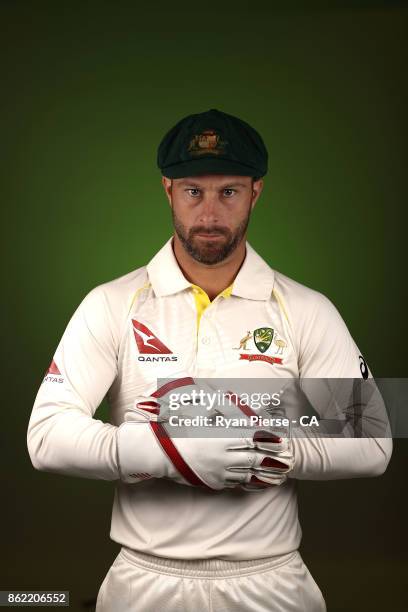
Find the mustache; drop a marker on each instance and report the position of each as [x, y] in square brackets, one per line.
[213, 231]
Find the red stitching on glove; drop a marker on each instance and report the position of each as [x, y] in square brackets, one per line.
[269, 462]
[149, 406]
[173, 384]
[175, 457]
[266, 436]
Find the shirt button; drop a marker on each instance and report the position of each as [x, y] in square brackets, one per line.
[205, 340]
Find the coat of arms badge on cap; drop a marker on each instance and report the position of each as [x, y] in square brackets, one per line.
[212, 142]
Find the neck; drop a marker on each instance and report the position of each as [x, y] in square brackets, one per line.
[212, 278]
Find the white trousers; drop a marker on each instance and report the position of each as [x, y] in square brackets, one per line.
[137, 582]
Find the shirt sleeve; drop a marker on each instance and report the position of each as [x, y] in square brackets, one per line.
[63, 436]
[327, 353]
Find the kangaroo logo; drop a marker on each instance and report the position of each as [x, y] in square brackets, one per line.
[243, 342]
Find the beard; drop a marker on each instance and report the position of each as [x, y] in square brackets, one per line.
[213, 251]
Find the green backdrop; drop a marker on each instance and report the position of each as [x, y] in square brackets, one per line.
[88, 90]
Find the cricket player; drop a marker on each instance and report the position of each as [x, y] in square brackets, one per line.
[204, 522]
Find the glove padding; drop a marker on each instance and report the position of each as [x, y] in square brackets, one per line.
[149, 447]
[274, 448]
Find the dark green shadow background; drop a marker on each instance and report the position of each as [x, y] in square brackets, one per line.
[88, 90]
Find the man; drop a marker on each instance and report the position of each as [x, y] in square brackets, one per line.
[205, 523]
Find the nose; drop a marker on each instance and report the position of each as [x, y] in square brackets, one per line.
[209, 211]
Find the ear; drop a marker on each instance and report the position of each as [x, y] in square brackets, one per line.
[257, 187]
[167, 185]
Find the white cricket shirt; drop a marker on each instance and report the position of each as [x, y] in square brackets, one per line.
[152, 323]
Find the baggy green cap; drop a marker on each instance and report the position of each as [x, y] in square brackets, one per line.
[212, 142]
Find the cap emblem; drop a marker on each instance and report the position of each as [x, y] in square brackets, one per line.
[207, 142]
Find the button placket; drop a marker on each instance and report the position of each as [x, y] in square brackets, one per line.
[206, 332]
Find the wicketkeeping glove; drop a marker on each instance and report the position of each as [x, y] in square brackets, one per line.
[148, 447]
[274, 448]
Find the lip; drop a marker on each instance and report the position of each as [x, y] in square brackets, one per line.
[210, 236]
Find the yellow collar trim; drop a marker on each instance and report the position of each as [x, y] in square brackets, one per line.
[202, 301]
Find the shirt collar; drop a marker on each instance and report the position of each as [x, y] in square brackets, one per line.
[254, 281]
[164, 273]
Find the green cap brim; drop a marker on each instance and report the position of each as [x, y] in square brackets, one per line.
[206, 165]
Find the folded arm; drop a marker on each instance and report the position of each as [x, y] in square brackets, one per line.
[327, 353]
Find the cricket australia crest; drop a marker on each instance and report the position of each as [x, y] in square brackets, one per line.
[263, 338]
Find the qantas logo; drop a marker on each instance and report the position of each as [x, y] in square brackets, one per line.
[148, 343]
[53, 368]
[53, 374]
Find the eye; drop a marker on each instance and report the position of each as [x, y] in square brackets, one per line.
[228, 192]
[194, 192]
